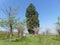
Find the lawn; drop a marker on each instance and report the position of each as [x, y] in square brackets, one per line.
[29, 40]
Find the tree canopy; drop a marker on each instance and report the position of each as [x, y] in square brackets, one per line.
[32, 17]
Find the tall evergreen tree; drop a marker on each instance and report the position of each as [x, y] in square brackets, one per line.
[58, 25]
[58, 22]
[32, 18]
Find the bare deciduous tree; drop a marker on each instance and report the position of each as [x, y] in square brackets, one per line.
[47, 31]
[20, 30]
[36, 30]
[10, 20]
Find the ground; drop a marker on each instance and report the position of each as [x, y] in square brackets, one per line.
[29, 40]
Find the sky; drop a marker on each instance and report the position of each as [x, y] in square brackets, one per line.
[48, 10]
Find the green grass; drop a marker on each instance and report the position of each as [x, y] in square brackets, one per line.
[29, 40]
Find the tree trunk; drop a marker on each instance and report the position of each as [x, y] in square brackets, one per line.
[18, 33]
[31, 31]
[10, 33]
[21, 34]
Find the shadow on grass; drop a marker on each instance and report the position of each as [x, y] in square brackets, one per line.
[19, 39]
[15, 40]
[56, 39]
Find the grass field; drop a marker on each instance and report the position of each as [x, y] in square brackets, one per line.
[29, 40]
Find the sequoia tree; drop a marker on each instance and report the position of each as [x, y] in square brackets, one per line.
[32, 18]
[58, 25]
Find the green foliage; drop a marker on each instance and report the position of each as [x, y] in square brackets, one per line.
[32, 17]
[10, 18]
[58, 22]
[4, 23]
